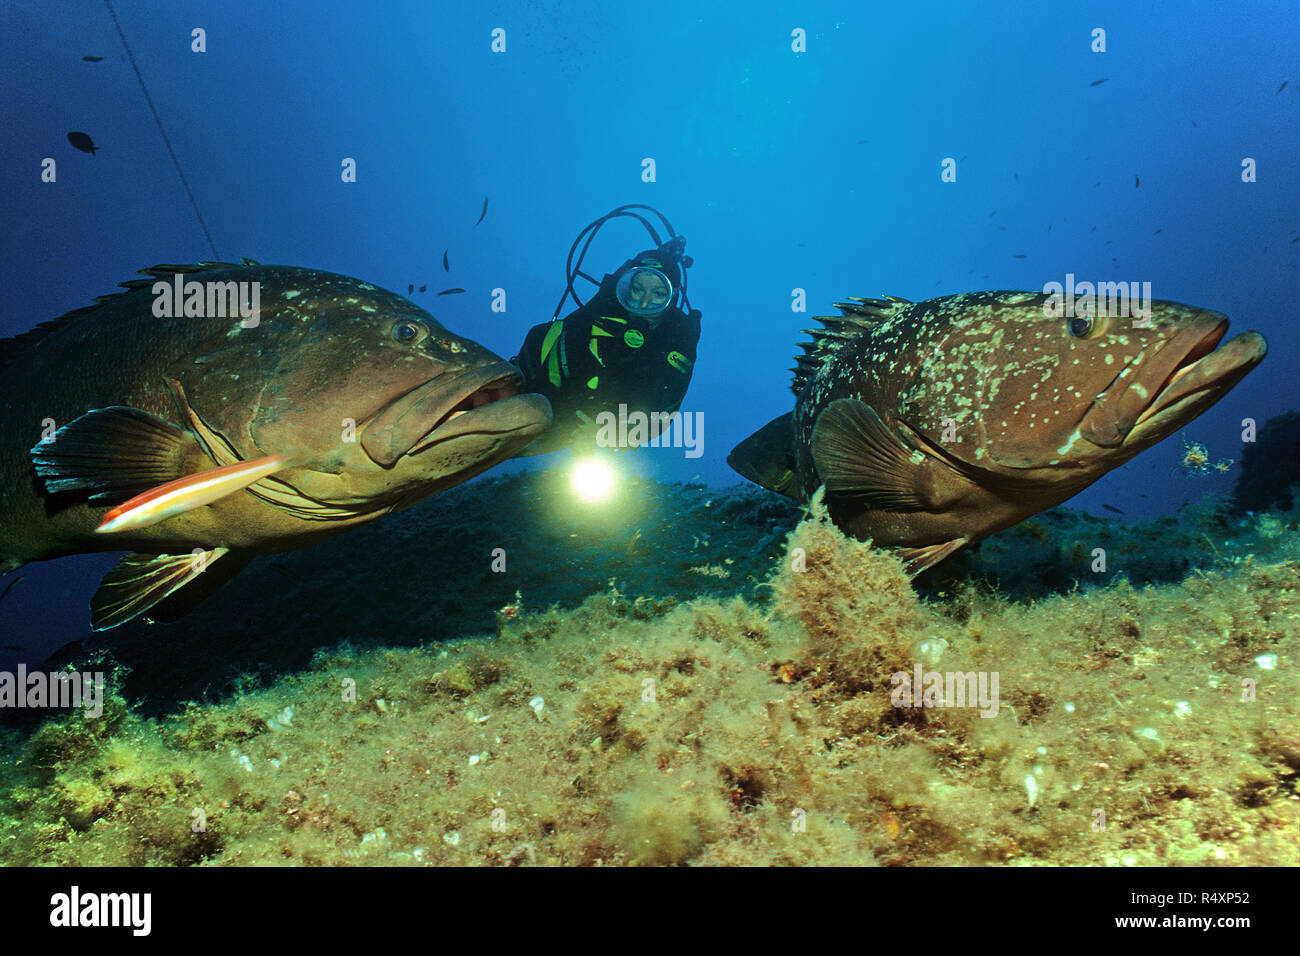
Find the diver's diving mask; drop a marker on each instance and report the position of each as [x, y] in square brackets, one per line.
[644, 290]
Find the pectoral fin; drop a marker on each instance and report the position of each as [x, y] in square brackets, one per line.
[858, 454]
[141, 582]
[114, 453]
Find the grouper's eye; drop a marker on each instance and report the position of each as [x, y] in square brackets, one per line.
[409, 331]
[1081, 326]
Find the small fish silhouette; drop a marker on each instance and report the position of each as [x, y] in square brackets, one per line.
[1099, 82]
[451, 291]
[1019, 257]
[446, 267]
[1281, 88]
[1112, 508]
[484, 212]
[82, 142]
[1137, 181]
[410, 289]
[96, 59]
[423, 288]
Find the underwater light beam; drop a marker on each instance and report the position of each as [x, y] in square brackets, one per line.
[592, 480]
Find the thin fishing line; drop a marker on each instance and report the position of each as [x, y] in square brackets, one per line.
[167, 142]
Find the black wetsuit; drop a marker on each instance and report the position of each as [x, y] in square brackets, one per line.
[601, 357]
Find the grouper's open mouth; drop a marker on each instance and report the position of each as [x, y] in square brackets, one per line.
[1204, 374]
[484, 401]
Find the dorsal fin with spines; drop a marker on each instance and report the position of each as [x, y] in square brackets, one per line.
[13, 346]
[858, 316]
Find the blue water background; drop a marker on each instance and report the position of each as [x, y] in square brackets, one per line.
[816, 170]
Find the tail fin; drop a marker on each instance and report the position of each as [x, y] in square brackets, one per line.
[767, 457]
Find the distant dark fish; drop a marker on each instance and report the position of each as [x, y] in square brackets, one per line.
[962, 160]
[993, 213]
[1137, 181]
[423, 288]
[1093, 229]
[1281, 88]
[10, 586]
[1157, 232]
[1021, 256]
[1017, 175]
[1099, 82]
[1194, 124]
[1112, 508]
[96, 59]
[1296, 239]
[410, 289]
[82, 142]
[451, 292]
[1002, 228]
[446, 267]
[1049, 227]
[484, 212]
[881, 387]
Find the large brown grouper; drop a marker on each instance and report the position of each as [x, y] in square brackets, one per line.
[935, 424]
[336, 403]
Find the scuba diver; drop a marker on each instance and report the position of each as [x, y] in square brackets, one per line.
[632, 343]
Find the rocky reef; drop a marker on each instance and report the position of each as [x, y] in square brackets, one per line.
[738, 693]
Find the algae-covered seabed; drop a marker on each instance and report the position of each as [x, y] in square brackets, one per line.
[673, 688]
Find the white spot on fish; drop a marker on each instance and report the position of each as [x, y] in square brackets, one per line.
[1065, 449]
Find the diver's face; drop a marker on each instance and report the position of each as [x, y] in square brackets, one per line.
[647, 292]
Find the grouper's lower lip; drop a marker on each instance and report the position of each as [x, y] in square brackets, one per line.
[1205, 374]
[499, 407]
[428, 413]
